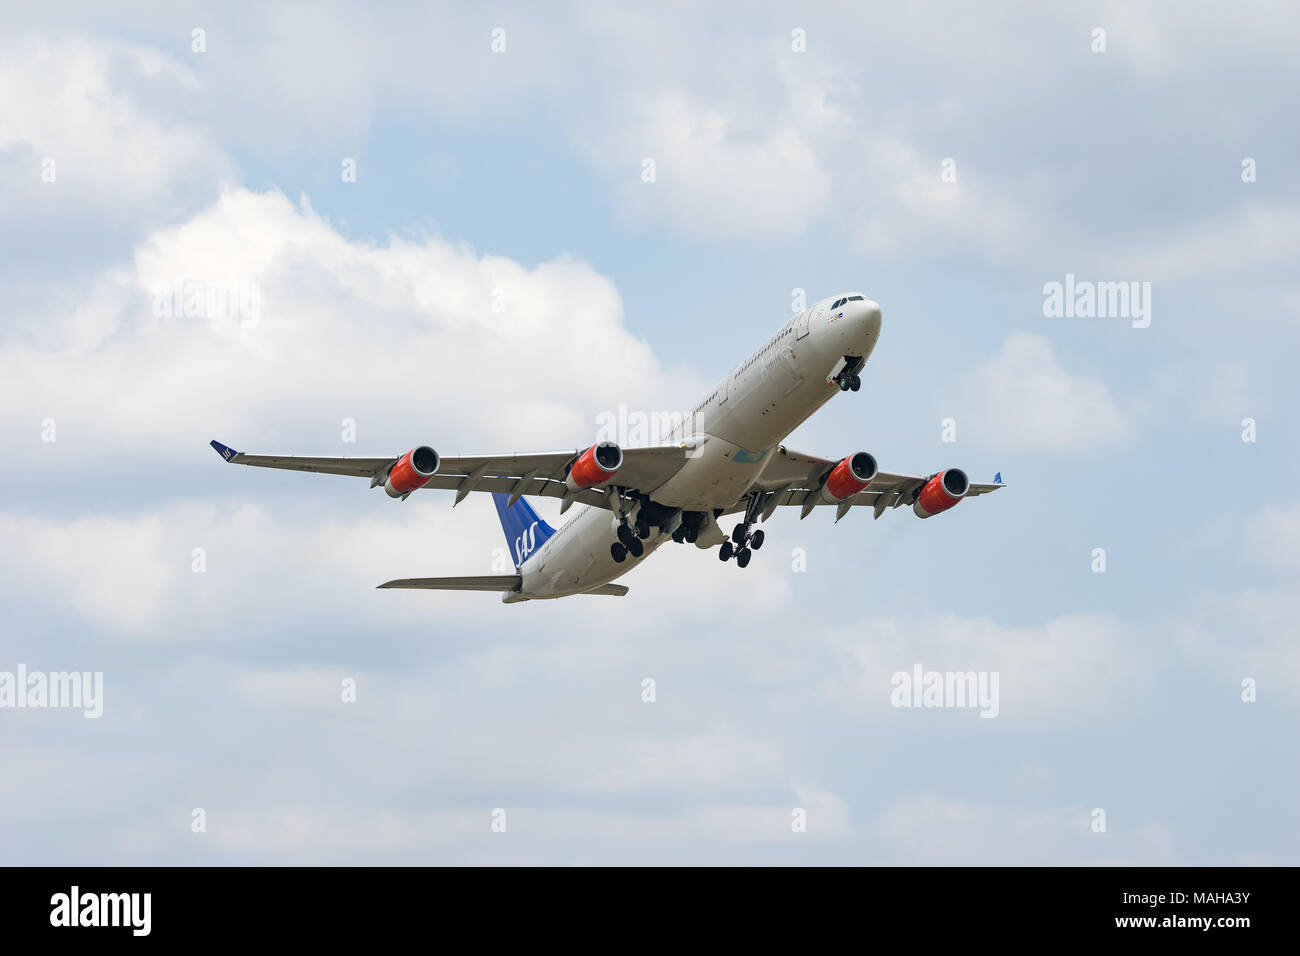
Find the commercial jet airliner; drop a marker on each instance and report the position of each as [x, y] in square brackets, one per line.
[726, 457]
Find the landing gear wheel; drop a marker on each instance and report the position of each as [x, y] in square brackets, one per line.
[636, 548]
[725, 552]
[625, 536]
[618, 552]
[756, 541]
[855, 383]
[738, 534]
[692, 534]
[679, 535]
[742, 559]
[642, 530]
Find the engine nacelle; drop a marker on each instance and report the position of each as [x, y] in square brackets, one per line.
[849, 477]
[411, 471]
[595, 466]
[941, 492]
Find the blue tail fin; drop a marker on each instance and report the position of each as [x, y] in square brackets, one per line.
[525, 532]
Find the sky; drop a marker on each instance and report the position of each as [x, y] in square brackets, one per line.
[484, 227]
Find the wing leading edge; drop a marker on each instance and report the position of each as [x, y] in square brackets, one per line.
[795, 479]
[485, 582]
[538, 474]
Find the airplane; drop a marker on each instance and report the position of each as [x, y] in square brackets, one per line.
[726, 457]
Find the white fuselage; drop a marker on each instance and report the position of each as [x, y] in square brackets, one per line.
[733, 432]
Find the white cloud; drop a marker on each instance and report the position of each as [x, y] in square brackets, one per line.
[106, 113]
[1070, 665]
[133, 576]
[1248, 238]
[937, 831]
[1025, 399]
[344, 328]
[1273, 538]
[723, 167]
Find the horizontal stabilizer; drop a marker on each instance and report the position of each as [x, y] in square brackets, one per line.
[483, 582]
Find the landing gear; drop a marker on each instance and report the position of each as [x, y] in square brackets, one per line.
[636, 548]
[848, 379]
[642, 529]
[744, 541]
[618, 552]
[625, 536]
[687, 532]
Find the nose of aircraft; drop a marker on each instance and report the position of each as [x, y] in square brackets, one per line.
[869, 316]
[866, 324]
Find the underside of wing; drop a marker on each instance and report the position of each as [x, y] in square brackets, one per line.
[485, 582]
[808, 481]
[537, 474]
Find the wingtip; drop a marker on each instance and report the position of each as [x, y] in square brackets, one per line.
[225, 451]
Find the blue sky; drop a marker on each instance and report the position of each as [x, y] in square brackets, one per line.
[515, 178]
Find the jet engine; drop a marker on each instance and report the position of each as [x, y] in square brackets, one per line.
[941, 492]
[849, 477]
[595, 466]
[411, 471]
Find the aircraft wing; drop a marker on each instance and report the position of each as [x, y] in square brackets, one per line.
[796, 478]
[486, 582]
[538, 474]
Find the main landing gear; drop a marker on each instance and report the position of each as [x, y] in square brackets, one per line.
[630, 538]
[848, 382]
[687, 532]
[743, 541]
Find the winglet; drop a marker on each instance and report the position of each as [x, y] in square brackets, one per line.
[224, 451]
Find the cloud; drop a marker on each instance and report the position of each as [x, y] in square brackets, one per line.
[106, 114]
[1056, 671]
[1254, 237]
[1024, 399]
[137, 577]
[928, 830]
[1272, 539]
[311, 328]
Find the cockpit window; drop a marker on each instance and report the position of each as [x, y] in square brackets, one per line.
[854, 298]
[838, 303]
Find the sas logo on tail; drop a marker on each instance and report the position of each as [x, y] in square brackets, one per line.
[525, 543]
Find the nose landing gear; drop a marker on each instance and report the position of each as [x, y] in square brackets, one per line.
[848, 379]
